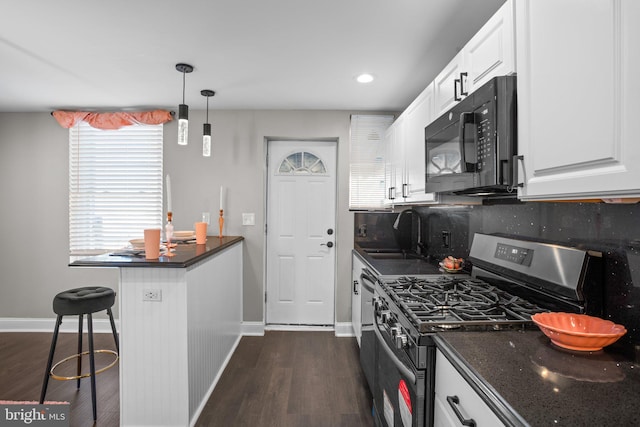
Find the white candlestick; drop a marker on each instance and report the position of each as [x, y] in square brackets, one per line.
[169, 194]
[222, 194]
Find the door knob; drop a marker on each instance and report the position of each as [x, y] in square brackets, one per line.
[328, 244]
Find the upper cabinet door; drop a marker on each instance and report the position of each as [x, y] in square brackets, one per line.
[578, 90]
[491, 52]
[447, 85]
[417, 116]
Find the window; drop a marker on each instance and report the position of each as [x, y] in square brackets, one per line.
[367, 162]
[302, 163]
[115, 185]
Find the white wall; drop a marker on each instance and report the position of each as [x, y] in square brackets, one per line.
[34, 200]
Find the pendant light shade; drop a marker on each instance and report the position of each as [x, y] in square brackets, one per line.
[183, 109]
[206, 128]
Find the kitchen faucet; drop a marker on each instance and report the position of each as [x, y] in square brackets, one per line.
[419, 244]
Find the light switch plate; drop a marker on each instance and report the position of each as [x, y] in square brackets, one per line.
[248, 219]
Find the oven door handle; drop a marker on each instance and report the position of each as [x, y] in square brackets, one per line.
[406, 372]
[367, 276]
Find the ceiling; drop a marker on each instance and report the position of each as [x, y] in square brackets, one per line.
[269, 54]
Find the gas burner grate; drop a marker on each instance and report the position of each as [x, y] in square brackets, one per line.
[445, 302]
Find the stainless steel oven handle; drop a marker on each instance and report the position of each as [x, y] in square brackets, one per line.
[464, 119]
[367, 276]
[406, 372]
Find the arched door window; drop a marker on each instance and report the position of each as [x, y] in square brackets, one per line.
[301, 163]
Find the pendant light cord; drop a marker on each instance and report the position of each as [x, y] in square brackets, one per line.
[207, 109]
[183, 86]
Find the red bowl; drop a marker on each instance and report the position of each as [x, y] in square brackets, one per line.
[578, 331]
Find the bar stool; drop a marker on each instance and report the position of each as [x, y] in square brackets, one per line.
[81, 301]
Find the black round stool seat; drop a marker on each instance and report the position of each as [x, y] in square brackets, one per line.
[81, 302]
[84, 300]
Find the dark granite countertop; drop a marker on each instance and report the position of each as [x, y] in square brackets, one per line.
[185, 255]
[544, 384]
[393, 267]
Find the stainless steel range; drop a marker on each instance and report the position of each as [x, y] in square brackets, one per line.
[510, 281]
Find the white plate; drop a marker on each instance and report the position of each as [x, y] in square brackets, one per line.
[189, 233]
[183, 239]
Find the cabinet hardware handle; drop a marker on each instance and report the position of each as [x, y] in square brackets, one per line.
[454, 401]
[355, 287]
[455, 90]
[405, 191]
[462, 77]
[514, 179]
[392, 192]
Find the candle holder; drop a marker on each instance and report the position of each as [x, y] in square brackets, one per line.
[168, 233]
[221, 222]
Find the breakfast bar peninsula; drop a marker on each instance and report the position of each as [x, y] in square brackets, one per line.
[180, 320]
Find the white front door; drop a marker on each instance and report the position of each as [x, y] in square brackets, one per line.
[301, 220]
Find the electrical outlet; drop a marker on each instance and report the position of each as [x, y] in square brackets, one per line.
[152, 295]
[206, 217]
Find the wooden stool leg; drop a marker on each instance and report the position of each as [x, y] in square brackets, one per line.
[52, 350]
[92, 364]
[79, 363]
[113, 329]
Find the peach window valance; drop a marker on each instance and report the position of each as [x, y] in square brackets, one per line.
[114, 120]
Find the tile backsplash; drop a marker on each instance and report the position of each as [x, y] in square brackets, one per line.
[611, 229]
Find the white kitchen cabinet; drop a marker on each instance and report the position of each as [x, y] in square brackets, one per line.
[394, 161]
[447, 84]
[406, 152]
[490, 53]
[356, 296]
[578, 67]
[417, 116]
[453, 391]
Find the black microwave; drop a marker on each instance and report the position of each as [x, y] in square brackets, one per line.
[470, 149]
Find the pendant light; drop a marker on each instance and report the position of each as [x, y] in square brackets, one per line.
[206, 128]
[183, 109]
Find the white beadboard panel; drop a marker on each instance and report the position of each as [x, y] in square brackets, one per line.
[214, 309]
[153, 348]
[173, 351]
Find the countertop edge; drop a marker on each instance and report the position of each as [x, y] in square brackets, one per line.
[171, 264]
[488, 394]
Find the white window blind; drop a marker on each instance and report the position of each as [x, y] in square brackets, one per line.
[115, 185]
[367, 162]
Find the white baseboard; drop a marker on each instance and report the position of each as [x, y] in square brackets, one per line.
[69, 324]
[101, 326]
[253, 329]
[344, 329]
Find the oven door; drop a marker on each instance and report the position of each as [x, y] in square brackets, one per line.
[368, 338]
[451, 152]
[399, 396]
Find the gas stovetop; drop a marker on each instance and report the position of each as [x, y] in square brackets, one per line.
[434, 303]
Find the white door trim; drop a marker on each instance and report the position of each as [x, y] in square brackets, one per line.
[265, 166]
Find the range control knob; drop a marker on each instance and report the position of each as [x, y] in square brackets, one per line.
[401, 341]
[385, 315]
[395, 329]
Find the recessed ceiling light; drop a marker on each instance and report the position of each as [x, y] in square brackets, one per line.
[364, 78]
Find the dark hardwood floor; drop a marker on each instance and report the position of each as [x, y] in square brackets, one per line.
[23, 359]
[281, 379]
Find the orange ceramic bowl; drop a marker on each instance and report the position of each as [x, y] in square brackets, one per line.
[578, 331]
